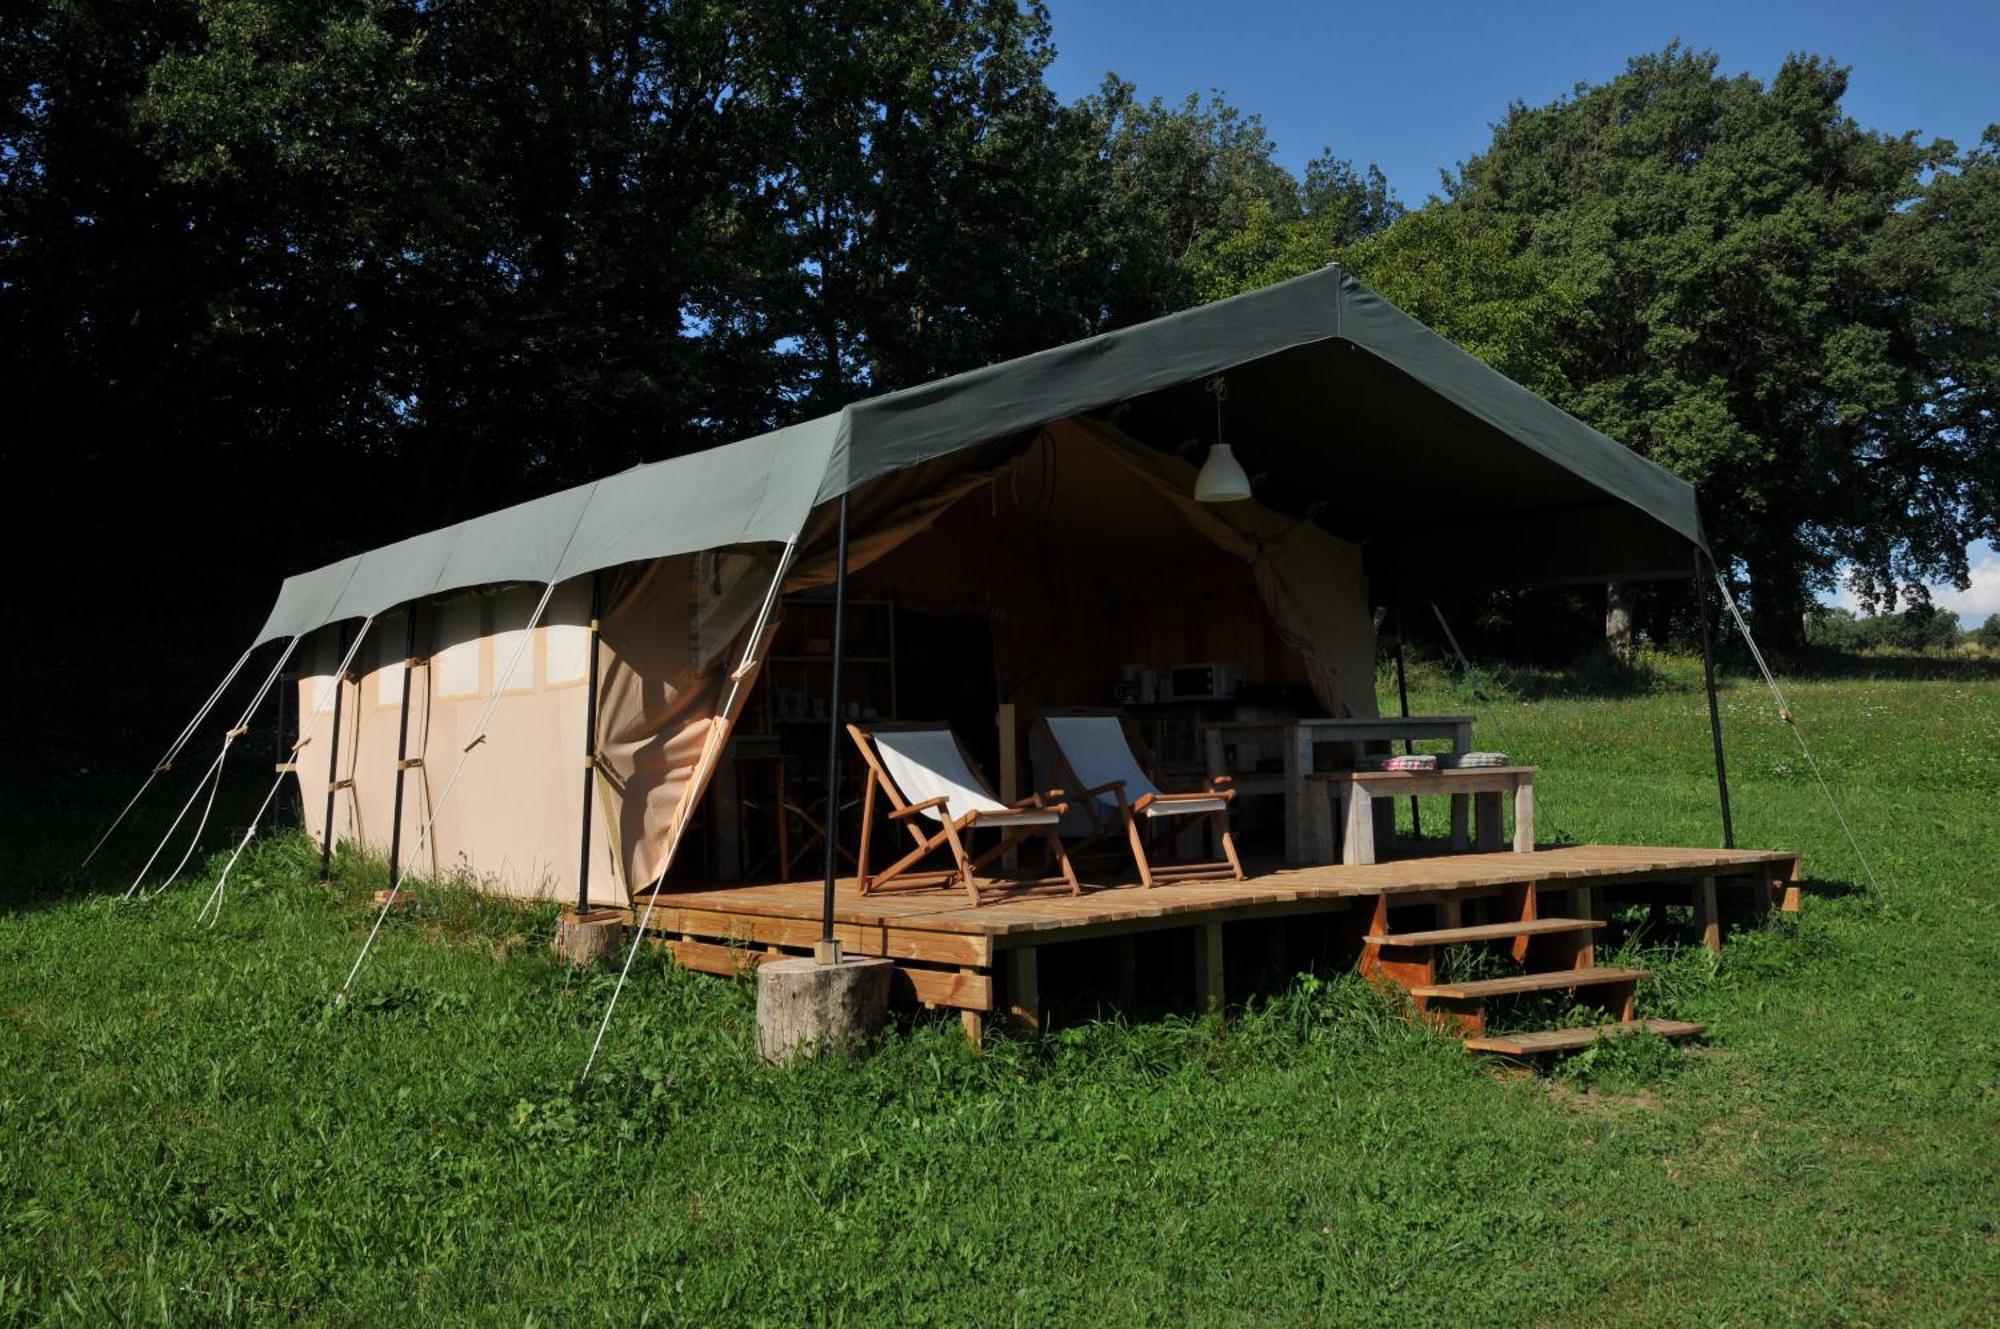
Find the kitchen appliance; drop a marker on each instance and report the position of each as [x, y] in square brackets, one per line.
[1205, 681]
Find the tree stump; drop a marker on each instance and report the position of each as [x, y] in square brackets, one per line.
[582, 940]
[805, 1008]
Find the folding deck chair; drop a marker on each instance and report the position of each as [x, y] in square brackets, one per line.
[1097, 758]
[926, 775]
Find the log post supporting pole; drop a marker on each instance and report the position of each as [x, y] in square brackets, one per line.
[402, 747]
[828, 951]
[1714, 711]
[1403, 702]
[589, 746]
[333, 765]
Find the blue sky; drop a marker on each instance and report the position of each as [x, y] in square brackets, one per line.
[1416, 89]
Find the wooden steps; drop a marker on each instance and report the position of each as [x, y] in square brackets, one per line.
[1551, 981]
[1544, 1041]
[1533, 927]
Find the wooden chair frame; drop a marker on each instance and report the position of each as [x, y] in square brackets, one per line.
[952, 832]
[1132, 813]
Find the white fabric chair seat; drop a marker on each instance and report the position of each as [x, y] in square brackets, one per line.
[1094, 746]
[1022, 817]
[928, 763]
[1182, 807]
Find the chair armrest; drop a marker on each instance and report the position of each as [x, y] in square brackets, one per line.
[915, 808]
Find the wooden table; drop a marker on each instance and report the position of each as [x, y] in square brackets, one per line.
[1356, 791]
[1299, 736]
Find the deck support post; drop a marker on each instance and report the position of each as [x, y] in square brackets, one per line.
[333, 766]
[1707, 917]
[1714, 710]
[1024, 987]
[1125, 949]
[1208, 967]
[828, 949]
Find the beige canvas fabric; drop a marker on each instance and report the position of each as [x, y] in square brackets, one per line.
[512, 820]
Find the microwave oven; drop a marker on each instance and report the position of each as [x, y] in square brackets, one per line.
[1210, 681]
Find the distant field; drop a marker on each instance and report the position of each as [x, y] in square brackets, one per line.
[191, 1133]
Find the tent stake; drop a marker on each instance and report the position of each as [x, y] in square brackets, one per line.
[827, 949]
[333, 768]
[1714, 711]
[589, 746]
[1403, 700]
[402, 746]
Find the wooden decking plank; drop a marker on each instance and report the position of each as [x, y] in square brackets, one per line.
[1109, 909]
[1569, 1040]
[1534, 927]
[1554, 980]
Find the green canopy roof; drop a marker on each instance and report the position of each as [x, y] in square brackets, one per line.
[1341, 406]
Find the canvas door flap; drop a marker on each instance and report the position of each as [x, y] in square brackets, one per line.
[1311, 582]
[672, 633]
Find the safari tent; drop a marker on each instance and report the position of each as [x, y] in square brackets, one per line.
[1052, 498]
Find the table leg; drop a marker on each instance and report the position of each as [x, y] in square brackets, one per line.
[1320, 809]
[1524, 815]
[1298, 765]
[1360, 846]
[1489, 821]
[1461, 809]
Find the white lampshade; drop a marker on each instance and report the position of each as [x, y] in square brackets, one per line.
[1221, 480]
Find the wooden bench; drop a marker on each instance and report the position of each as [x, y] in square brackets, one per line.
[1356, 791]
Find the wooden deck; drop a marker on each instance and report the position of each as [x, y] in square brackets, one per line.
[950, 954]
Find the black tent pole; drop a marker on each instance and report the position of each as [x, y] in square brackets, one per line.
[1403, 701]
[1714, 711]
[333, 765]
[589, 748]
[827, 948]
[402, 748]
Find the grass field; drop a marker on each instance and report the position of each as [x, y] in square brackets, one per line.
[191, 1132]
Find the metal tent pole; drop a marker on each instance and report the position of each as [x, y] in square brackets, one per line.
[829, 950]
[333, 763]
[402, 747]
[1403, 701]
[1714, 710]
[589, 747]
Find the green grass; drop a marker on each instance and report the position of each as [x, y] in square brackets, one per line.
[192, 1132]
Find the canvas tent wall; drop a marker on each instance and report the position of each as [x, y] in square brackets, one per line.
[1378, 450]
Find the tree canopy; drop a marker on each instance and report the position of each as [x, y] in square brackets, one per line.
[360, 265]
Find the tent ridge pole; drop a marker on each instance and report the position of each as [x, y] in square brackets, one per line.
[402, 748]
[589, 745]
[833, 733]
[332, 769]
[1714, 709]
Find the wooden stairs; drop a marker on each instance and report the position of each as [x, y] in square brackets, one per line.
[1556, 954]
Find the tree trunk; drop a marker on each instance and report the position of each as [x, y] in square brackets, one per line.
[1618, 622]
[1777, 604]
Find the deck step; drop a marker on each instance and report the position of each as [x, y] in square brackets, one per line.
[1570, 1040]
[1551, 981]
[1534, 927]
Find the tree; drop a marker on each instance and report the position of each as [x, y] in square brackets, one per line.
[1772, 302]
[1988, 634]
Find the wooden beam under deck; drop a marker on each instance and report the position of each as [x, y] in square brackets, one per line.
[948, 950]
